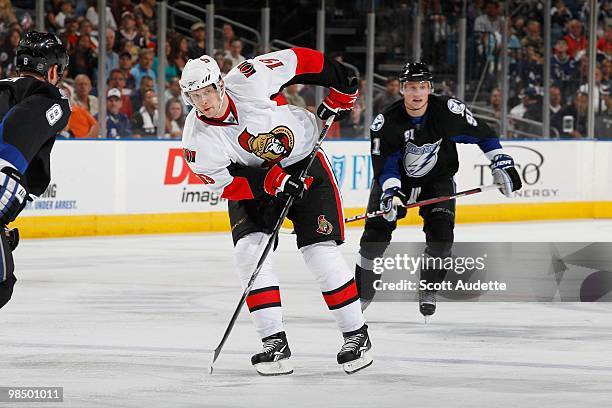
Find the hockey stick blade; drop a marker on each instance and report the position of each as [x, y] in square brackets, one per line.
[268, 246]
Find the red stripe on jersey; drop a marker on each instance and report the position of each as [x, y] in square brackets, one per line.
[308, 61]
[263, 297]
[221, 121]
[341, 296]
[332, 178]
[238, 189]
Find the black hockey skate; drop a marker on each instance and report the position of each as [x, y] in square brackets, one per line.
[274, 359]
[427, 303]
[355, 352]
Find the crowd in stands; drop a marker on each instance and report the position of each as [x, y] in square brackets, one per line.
[569, 61]
[132, 97]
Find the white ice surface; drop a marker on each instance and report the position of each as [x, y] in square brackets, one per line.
[130, 322]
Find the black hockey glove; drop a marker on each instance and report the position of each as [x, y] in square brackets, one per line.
[337, 103]
[12, 237]
[394, 197]
[280, 184]
[13, 194]
[505, 175]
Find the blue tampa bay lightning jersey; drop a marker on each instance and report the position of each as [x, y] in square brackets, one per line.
[417, 151]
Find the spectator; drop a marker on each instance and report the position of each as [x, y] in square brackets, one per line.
[82, 97]
[228, 34]
[219, 57]
[495, 102]
[145, 62]
[564, 70]
[556, 119]
[86, 28]
[117, 123]
[179, 54]
[293, 97]
[583, 69]
[603, 121]
[129, 47]
[560, 14]
[353, 126]
[83, 60]
[127, 30]
[533, 68]
[391, 94]
[604, 44]
[7, 14]
[125, 65]
[235, 52]
[145, 14]
[52, 8]
[112, 59]
[534, 38]
[576, 41]
[143, 39]
[606, 72]
[8, 51]
[197, 44]
[92, 16]
[70, 36]
[66, 10]
[81, 123]
[487, 32]
[519, 26]
[600, 91]
[119, 7]
[117, 80]
[226, 67]
[171, 68]
[138, 97]
[574, 117]
[144, 123]
[529, 99]
[489, 21]
[175, 119]
[174, 91]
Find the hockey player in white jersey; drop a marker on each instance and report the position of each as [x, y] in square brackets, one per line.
[249, 147]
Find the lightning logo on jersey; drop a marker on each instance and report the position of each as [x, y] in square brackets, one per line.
[272, 146]
[419, 160]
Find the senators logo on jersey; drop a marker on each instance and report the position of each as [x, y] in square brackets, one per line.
[272, 147]
[325, 227]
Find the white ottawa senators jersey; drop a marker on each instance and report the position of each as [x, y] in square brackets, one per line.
[254, 131]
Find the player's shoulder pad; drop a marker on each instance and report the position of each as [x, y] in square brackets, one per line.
[377, 123]
[388, 113]
[447, 103]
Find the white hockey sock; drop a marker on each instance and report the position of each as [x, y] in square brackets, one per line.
[264, 298]
[337, 283]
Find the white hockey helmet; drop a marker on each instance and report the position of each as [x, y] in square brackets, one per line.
[199, 73]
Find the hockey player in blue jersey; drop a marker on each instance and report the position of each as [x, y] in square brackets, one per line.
[414, 156]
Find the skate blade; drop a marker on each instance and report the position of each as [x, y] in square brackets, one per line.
[359, 364]
[280, 367]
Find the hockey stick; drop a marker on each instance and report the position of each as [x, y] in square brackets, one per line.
[421, 203]
[425, 202]
[269, 245]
